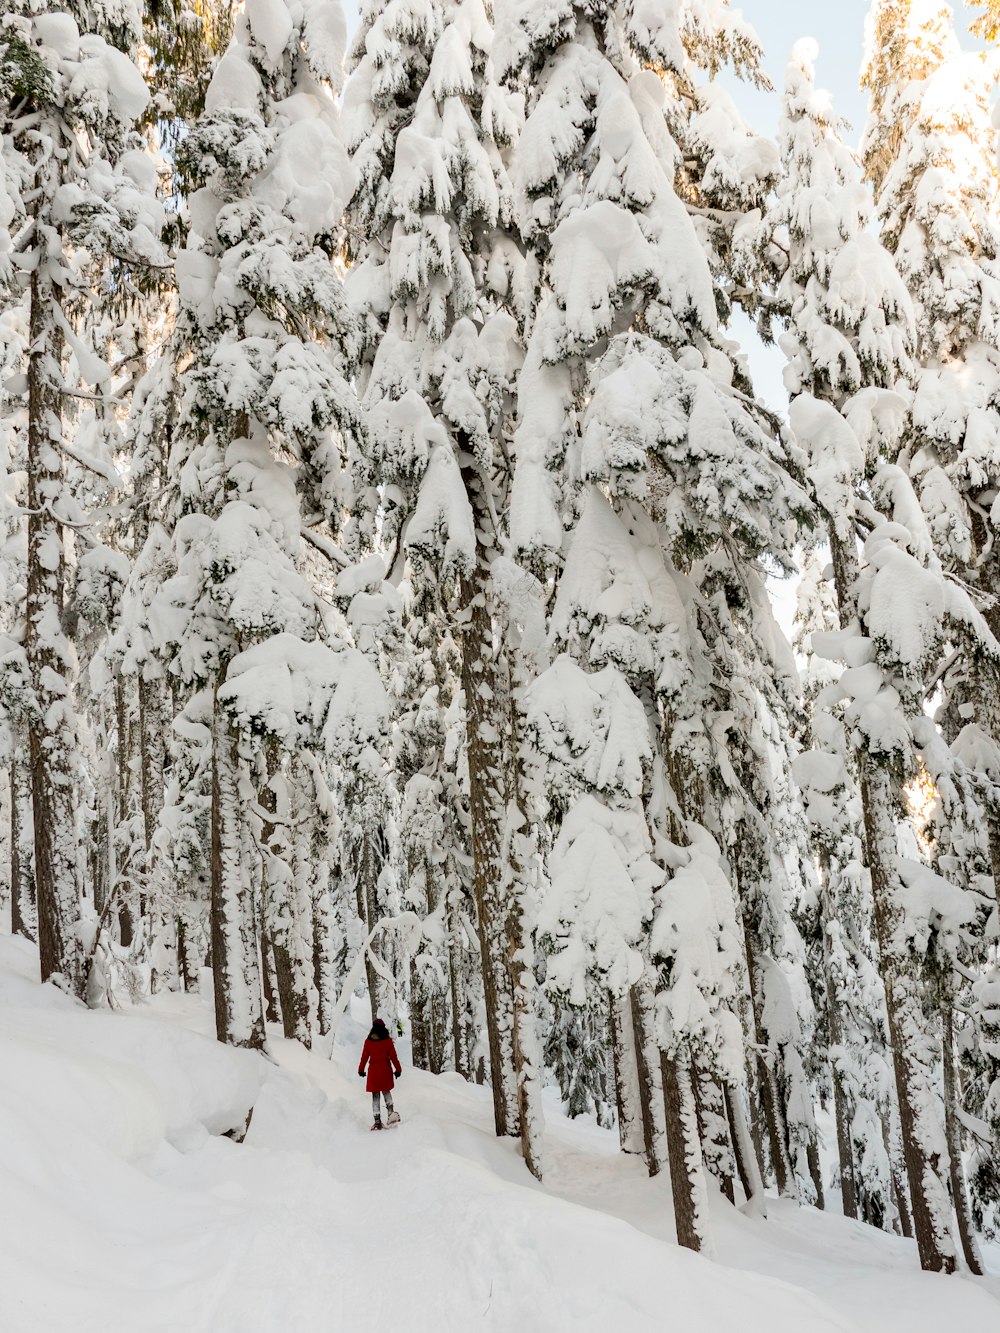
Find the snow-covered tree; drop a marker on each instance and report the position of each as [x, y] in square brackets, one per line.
[436, 280]
[71, 98]
[265, 401]
[627, 386]
[930, 152]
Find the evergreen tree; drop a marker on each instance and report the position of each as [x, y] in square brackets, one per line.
[937, 196]
[66, 84]
[624, 314]
[264, 402]
[436, 279]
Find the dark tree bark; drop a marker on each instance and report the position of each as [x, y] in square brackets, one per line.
[22, 876]
[239, 1012]
[647, 1057]
[953, 1130]
[486, 807]
[687, 1186]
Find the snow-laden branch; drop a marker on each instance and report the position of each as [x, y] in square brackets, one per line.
[408, 924]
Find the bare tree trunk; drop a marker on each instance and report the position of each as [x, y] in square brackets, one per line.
[482, 688]
[272, 1003]
[53, 729]
[623, 1049]
[687, 1182]
[841, 1110]
[186, 966]
[713, 1131]
[294, 1002]
[770, 1098]
[322, 957]
[647, 1053]
[418, 1021]
[152, 754]
[123, 754]
[457, 997]
[286, 904]
[902, 1204]
[815, 1171]
[367, 902]
[747, 1161]
[22, 877]
[953, 1129]
[914, 1076]
[239, 1014]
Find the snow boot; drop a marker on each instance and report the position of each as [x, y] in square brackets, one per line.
[393, 1118]
[378, 1123]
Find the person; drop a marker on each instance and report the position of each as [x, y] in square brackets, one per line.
[379, 1055]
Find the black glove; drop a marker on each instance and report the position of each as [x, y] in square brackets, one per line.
[361, 1073]
[399, 1073]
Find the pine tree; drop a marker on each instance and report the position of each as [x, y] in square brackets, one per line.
[65, 83]
[264, 402]
[428, 130]
[937, 196]
[624, 314]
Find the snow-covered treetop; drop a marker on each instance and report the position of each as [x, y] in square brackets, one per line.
[930, 150]
[257, 284]
[437, 272]
[849, 315]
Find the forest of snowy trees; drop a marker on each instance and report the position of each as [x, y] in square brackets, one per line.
[388, 533]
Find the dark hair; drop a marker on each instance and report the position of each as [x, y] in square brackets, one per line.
[379, 1030]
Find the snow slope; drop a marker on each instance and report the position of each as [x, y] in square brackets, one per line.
[122, 1206]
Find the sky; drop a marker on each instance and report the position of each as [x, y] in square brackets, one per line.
[839, 28]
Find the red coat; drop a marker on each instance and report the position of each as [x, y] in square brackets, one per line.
[381, 1059]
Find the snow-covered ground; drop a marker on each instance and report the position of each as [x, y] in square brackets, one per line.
[123, 1207]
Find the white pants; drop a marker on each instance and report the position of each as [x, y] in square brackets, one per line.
[376, 1110]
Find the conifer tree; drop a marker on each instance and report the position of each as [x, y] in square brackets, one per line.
[624, 314]
[264, 402]
[71, 99]
[930, 153]
[437, 279]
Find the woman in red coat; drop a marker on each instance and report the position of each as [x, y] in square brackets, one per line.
[380, 1056]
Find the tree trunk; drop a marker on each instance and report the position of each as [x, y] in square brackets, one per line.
[914, 1074]
[623, 1050]
[152, 756]
[483, 712]
[187, 967]
[457, 997]
[50, 661]
[418, 1023]
[322, 954]
[239, 1013]
[687, 1182]
[953, 1130]
[293, 1000]
[272, 1003]
[647, 1054]
[747, 1161]
[841, 1109]
[770, 1098]
[713, 1130]
[367, 903]
[815, 1171]
[122, 751]
[22, 877]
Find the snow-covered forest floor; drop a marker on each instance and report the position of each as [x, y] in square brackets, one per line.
[124, 1206]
